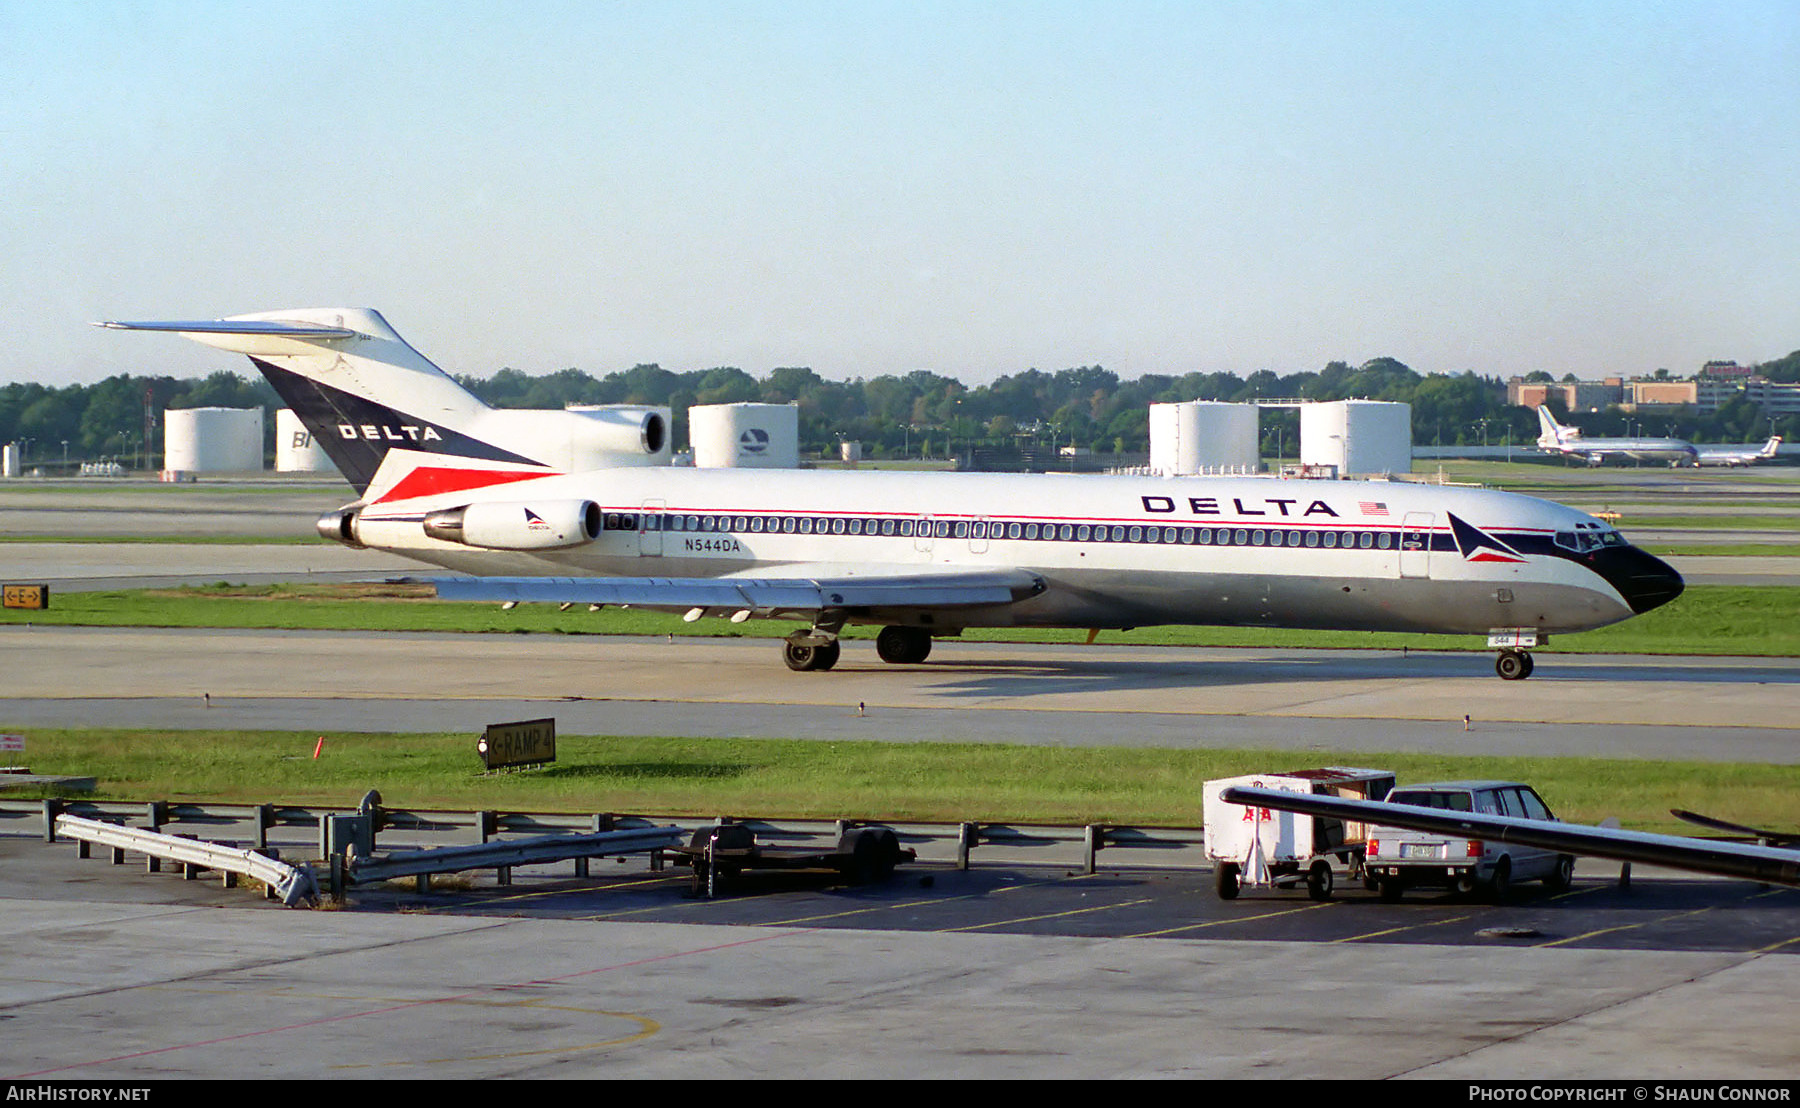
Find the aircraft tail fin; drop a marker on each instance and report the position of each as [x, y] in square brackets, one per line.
[1771, 447]
[355, 384]
[1551, 434]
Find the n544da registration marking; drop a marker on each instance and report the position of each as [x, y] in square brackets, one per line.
[712, 546]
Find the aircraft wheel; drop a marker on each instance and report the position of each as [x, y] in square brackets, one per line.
[1513, 665]
[1318, 881]
[802, 659]
[1225, 880]
[903, 645]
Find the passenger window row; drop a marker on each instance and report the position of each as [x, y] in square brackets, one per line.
[1011, 531]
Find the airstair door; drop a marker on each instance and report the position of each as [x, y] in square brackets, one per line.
[1415, 544]
[650, 521]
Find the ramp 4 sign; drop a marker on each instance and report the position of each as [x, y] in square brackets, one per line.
[531, 742]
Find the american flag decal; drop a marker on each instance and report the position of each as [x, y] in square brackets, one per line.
[1373, 508]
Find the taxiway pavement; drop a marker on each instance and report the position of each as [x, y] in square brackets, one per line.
[1706, 709]
[108, 977]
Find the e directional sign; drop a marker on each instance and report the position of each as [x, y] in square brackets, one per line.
[25, 596]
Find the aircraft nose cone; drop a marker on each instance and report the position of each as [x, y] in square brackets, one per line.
[1645, 581]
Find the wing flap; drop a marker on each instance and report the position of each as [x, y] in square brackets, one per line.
[1757, 863]
[753, 593]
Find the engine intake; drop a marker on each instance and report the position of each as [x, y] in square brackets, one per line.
[517, 525]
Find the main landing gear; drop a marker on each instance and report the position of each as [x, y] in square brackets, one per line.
[804, 656]
[1513, 665]
[903, 645]
[817, 649]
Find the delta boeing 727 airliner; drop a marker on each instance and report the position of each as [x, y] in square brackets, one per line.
[448, 481]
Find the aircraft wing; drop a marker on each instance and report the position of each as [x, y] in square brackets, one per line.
[1767, 838]
[1726, 859]
[759, 595]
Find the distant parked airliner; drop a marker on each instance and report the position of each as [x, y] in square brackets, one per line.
[1554, 438]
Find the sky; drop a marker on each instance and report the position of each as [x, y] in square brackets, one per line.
[974, 188]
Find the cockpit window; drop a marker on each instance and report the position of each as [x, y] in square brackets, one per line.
[1588, 537]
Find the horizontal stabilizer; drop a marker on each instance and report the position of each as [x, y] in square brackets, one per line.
[752, 593]
[234, 327]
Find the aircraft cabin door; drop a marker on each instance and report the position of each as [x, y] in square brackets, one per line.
[650, 521]
[1415, 544]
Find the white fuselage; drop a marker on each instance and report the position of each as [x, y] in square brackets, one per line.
[1113, 551]
[1640, 450]
[1737, 455]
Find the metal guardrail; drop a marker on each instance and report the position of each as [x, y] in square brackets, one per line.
[507, 853]
[347, 838]
[293, 884]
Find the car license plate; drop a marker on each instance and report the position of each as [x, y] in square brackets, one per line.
[1421, 850]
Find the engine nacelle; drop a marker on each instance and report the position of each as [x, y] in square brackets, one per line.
[340, 526]
[620, 429]
[517, 526]
[575, 440]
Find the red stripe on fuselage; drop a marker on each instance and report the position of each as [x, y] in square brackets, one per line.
[431, 480]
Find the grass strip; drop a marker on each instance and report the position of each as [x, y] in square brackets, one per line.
[1724, 620]
[1768, 521]
[802, 779]
[167, 540]
[1723, 550]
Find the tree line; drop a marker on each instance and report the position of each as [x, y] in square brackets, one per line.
[919, 414]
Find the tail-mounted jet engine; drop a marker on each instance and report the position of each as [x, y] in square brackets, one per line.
[340, 526]
[517, 526]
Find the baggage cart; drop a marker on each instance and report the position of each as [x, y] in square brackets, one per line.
[720, 854]
[1251, 846]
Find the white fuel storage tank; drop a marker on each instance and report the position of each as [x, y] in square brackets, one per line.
[295, 449]
[1360, 437]
[213, 440]
[1203, 436]
[745, 436]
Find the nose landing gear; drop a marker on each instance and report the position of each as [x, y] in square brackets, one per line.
[1513, 665]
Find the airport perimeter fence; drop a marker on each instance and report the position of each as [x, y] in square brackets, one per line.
[346, 841]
